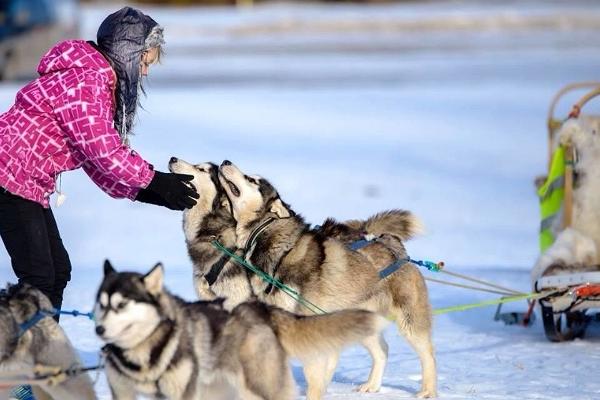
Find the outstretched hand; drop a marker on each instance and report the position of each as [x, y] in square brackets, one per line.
[171, 190]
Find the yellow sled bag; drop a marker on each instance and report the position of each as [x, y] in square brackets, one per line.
[551, 196]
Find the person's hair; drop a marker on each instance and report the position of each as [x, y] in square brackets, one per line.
[123, 37]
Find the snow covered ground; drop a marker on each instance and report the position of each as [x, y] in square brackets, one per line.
[438, 108]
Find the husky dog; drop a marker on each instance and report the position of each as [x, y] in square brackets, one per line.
[209, 220]
[327, 273]
[43, 344]
[163, 347]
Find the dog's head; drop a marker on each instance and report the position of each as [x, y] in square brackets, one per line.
[206, 181]
[127, 306]
[251, 197]
[18, 304]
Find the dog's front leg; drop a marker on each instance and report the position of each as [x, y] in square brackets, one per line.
[122, 393]
[318, 373]
[120, 388]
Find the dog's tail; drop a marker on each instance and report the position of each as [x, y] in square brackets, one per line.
[312, 336]
[400, 223]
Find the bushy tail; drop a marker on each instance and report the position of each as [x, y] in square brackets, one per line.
[306, 336]
[400, 223]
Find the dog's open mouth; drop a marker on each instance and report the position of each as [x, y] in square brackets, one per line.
[234, 189]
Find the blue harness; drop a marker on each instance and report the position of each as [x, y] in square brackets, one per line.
[41, 314]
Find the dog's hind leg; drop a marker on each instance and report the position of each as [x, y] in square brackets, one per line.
[418, 336]
[378, 349]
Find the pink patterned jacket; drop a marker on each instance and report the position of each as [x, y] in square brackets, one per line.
[63, 120]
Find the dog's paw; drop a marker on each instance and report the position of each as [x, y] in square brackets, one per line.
[368, 387]
[426, 394]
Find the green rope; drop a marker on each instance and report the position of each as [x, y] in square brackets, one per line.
[501, 300]
[316, 310]
[268, 278]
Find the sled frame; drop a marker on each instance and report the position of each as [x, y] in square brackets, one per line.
[567, 325]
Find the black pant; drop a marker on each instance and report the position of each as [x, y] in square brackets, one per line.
[37, 253]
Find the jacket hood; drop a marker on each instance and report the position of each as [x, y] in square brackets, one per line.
[122, 37]
[71, 54]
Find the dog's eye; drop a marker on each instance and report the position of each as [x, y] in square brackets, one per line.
[251, 180]
[199, 168]
[121, 305]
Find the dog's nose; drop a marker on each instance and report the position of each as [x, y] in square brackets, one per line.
[226, 162]
[173, 160]
[100, 330]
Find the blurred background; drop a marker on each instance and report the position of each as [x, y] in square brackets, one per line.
[349, 108]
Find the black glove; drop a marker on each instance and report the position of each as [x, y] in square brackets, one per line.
[169, 190]
[148, 196]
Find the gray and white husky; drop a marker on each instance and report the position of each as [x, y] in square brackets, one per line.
[44, 344]
[161, 346]
[319, 265]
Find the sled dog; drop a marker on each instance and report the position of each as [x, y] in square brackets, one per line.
[44, 344]
[160, 346]
[319, 265]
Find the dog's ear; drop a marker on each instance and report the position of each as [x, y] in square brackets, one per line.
[108, 268]
[153, 280]
[279, 209]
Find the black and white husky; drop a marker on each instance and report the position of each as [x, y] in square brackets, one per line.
[161, 346]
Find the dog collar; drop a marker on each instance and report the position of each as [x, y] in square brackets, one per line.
[255, 234]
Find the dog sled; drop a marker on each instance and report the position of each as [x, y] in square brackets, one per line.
[573, 291]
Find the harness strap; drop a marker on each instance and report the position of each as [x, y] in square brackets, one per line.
[255, 234]
[270, 286]
[252, 241]
[41, 314]
[217, 268]
[393, 267]
[359, 244]
[37, 317]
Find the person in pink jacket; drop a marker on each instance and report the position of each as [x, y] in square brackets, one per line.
[78, 113]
